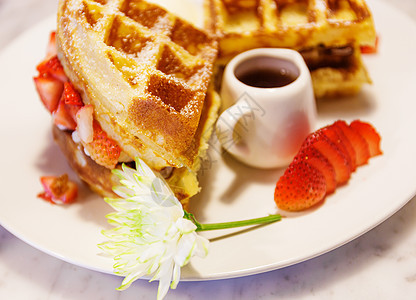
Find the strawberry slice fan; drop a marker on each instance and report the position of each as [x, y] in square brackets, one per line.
[325, 160]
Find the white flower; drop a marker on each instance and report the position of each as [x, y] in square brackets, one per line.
[151, 236]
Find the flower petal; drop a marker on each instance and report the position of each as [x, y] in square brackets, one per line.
[176, 276]
[150, 234]
[202, 246]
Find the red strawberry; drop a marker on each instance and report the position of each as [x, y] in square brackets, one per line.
[335, 156]
[62, 118]
[362, 151]
[71, 96]
[51, 67]
[72, 111]
[51, 49]
[369, 134]
[72, 100]
[335, 134]
[337, 159]
[300, 187]
[49, 90]
[314, 158]
[58, 190]
[325, 154]
[103, 150]
[370, 49]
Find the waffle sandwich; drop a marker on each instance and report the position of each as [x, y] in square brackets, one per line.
[146, 74]
[328, 33]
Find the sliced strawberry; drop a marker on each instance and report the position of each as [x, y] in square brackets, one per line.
[322, 157]
[58, 190]
[72, 111]
[51, 48]
[49, 90]
[72, 100]
[84, 120]
[62, 118]
[371, 136]
[336, 135]
[51, 67]
[71, 96]
[103, 150]
[335, 156]
[370, 49]
[314, 158]
[300, 187]
[362, 151]
[337, 159]
[348, 146]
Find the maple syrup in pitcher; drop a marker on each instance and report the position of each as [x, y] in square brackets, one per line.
[266, 72]
[268, 107]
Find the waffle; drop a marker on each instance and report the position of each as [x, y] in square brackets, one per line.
[312, 27]
[146, 72]
[182, 181]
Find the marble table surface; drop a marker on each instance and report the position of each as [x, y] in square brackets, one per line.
[381, 264]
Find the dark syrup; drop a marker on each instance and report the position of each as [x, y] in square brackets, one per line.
[267, 78]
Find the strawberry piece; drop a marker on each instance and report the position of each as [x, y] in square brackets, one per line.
[71, 96]
[325, 160]
[348, 146]
[58, 190]
[51, 67]
[335, 156]
[62, 118]
[370, 49]
[336, 136]
[362, 151]
[314, 158]
[369, 134]
[103, 150]
[300, 187]
[51, 48]
[49, 90]
[72, 111]
[337, 159]
[72, 100]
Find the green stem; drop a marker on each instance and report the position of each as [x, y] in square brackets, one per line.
[233, 224]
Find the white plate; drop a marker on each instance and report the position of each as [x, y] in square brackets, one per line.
[230, 190]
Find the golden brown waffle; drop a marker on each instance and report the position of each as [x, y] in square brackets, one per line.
[297, 24]
[145, 71]
[303, 25]
[182, 181]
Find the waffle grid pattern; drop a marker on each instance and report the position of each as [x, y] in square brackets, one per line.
[144, 38]
[296, 24]
[160, 63]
